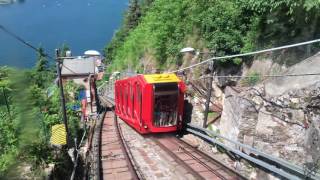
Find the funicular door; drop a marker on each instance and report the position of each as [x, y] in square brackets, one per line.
[121, 89]
[126, 99]
[165, 104]
[129, 100]
[137, 103]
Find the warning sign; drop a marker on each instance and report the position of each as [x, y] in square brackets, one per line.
[58, 135]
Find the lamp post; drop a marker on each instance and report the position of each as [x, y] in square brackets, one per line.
[211, 67]
[194, 51]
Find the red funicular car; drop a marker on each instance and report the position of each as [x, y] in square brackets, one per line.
[151, 103]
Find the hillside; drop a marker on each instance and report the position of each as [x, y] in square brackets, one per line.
[153, 32]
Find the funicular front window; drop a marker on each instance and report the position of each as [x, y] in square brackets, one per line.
[165, 104]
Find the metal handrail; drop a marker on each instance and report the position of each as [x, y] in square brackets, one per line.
[245, 156]
[286, 165]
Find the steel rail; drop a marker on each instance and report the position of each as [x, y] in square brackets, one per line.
[204, 154]
[263, 164]
[177, 159]
[281, 162]
[97, 132]
[128, 156]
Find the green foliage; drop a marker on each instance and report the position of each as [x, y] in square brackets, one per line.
[133, 15]
[237, 61]
[212, 115]
[24, 136]
[282, 21]
[42, 64]
[132, 19]
[226, 27]
[64, 49]
[165, 26]
[4, 77]
[252, 79]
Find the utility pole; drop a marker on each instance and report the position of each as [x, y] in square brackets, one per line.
[206, 111]
[62, 98]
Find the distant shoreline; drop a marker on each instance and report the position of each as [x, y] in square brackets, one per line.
[4, 2]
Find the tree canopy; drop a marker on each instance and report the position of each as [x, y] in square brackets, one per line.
[226, 27]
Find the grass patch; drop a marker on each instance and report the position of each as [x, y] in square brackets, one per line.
[212, 115]
[252, 79]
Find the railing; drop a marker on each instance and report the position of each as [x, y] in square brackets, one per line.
[271, 163]
[106, 90]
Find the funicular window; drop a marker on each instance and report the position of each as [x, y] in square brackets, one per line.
[165, 104]
[127, 99]
[117, 97]
[124, 100]
[125, 108]
[138, 101]
[132, 100]
[121, 99]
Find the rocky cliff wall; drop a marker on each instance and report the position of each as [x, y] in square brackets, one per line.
[280, 116]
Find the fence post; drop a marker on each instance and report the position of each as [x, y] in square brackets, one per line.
[206, 111]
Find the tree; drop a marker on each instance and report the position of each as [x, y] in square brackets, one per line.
[64, 49]
[133, 15]
[42, 63]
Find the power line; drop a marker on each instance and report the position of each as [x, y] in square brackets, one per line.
[21, 40]
[18, 38]
[249, 53]
[257, 76]
[266, 76]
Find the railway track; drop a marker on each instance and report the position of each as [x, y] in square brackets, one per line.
[115, 157]
[117, 161]
[197, 163]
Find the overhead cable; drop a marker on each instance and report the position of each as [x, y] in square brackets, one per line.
[18, 38]
[249, 53]
[15, 36]
[267, 76]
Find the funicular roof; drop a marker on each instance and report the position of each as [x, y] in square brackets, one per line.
[161, 78]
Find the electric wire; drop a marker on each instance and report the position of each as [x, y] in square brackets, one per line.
[27, 44]
[21, 40]
[248, 54]
[260, 76]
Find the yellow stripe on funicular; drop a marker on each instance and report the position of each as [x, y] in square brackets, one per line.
[161, 78]
[58, 135]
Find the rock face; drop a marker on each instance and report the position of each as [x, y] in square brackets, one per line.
[238, 116]
[278, 86]
[280, 117]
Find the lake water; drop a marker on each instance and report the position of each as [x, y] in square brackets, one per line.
[81, 24]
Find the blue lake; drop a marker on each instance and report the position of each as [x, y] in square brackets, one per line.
[81, 24]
